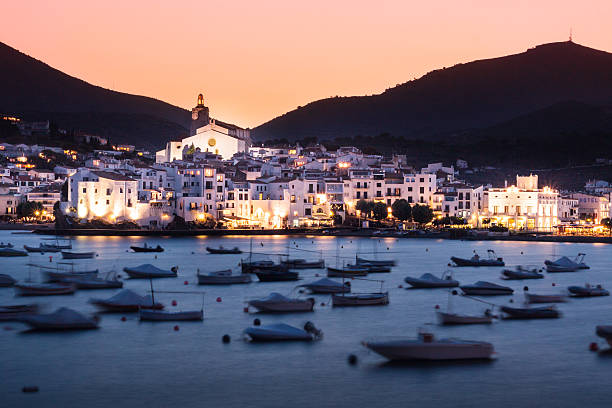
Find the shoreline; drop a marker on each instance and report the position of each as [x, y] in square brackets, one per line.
[303, 231]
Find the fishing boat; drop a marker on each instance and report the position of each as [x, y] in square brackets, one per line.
[165, 316]
[427, 347]
[40, 249]
[276, 275]
[587, 291]
[457, 319]
[78, 255]
[61, 319]
[548, 312]
[605, 332]
[347, 271]
[532, 298]
[6, 280]
[327, 286]
[126, 301]
[475, 260]
[146, 248]
[428, 280]
[375, 262]
[223, 278]
[11, 252]
[44, 289]
[520, 272]
[360, 299]
[303, 264]
[249, 267]
[224, 251]
[564, 264]
[283, 332]
[60, 243]
[482, 288]
[277, 303]
[147, 271]
[15, 312]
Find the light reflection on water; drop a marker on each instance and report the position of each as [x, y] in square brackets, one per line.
[132, 364]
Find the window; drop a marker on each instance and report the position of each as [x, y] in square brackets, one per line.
[409, 188]
[293, 198]
[84, 190]
[311, 188]
[108, 191]
[365, 194]
[365, 185]
[422, 180]
[460, 196]
[505, 209]
[422, 190]
[209, 185]
[307, 211]
[219, 189]
[107, 202]
[129, 191]
[378, 193]
[410, 199]
[358, 184]
[461, 205]
[378, 184]
[358, 194]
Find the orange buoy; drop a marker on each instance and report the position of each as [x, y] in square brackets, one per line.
[554, 284]
[174, 303]
[437, 307]
[245, 309]
[186, 283]
[317, 275]
[219, 299]
[593, 346]
[123, 318]
[176, 328]
[50, 258]
[400, 286]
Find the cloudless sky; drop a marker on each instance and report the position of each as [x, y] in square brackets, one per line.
[254, 60]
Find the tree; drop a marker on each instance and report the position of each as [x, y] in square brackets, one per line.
[422, 214]
[401, 210]
[365, 207]
[379, 211]
[29, 209]
[607, 222]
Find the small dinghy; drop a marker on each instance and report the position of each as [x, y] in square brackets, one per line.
[78, 255]
[605, 332]
[223, 278]
[347, 272]
[521, 273]
[15, 312]
[303, 264]
[374, 262]
[531, 298]
[283, 332]
[277, 303]
[41, 249]
[126, 301]
[456, 319]
[224, 251]
[61, 319]
[276, 275]
[475, 260]
[360, 299]
[428, 280]
[549, 312]
[587, 291]
[148, 271]
[6, 281]
[165, 316]
[44, 289]
[250, 267]
[327, 286]
[146, 248]
[11, 252]
[482, 288]
[60, 276]
[426, 347]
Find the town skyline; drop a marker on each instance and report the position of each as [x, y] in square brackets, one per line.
[323, 51]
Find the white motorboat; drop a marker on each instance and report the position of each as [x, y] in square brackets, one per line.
[126, 301]
[482, 288]
[44, 289]
[165, 316]
[327, 286]
[223, 278]
[453, 318]
[533, 298]
[61, 319]
[6, 280]
[564, 264]
[426, 347]
[588, 291]
[428, 280]
[360, 299]
[148, 271]
[521, 273]
[283, 332]
[605, 332]
[277, 303]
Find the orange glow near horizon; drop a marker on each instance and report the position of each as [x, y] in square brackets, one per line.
[254, 61]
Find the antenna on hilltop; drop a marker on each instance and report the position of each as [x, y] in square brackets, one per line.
[570, 37]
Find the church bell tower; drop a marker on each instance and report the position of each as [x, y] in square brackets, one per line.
[199, 116]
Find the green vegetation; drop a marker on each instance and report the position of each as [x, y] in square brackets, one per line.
[401, 210]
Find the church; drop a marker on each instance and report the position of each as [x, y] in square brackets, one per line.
[207, 135]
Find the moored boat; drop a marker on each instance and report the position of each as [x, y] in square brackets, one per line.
[327, 286]
[77, 255]
[360, 299]
[224, 251]
[521, 273]
[475, 260]
[224, 277]
[549, 312]
[564, 264]
[6, 280]
[15, 312]
[428, 280]
[457, 319]
[126, 301]
[376, 262]
[482, 288]
[277, 303]
[533, 298]
[165, 316]
[303, 264]
[61, 319]
[41, 249]
[148, 271]
[346, 271]
[426, 347]
[283, 332]
[44, 289]
[276, 275]
[11, 252]
[146, 248]
[93, 282]
[250, 266]
[587, 291]
[56, 276]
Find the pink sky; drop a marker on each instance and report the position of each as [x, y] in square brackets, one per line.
[255, 60]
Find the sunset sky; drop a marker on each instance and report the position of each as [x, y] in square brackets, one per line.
[254, 60]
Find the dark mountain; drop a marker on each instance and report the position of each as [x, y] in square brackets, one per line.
[33, 90]
[448, 101]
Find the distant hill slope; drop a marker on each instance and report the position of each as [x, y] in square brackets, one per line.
[34, 90]
[468, 96]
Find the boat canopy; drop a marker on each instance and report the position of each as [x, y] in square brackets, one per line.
[148, 269]
[326, 282]
[60, 316]
[274, 297]
[565, 261]
[128, 297]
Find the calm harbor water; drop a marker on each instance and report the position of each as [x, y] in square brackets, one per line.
[131, 364]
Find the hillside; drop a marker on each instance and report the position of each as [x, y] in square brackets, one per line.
[464, 97]
[34, 90]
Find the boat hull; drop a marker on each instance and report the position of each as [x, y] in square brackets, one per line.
[362, 261]
[486, 292]
[224, 280]
[481, 262]
[534, 313]
[223, 251]
[295, 306]
[78, 255]
[579, 291]
[45, 290]
[345, 273]
[455, 319]
[304, 265]
[266, 276]
[161, 316]
[142, 249]
[400, 351]
[375, 299]
[425, 284]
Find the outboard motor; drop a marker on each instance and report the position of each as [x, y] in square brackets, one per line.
[311, 328]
